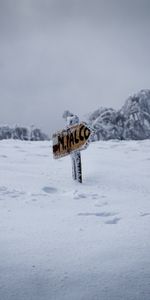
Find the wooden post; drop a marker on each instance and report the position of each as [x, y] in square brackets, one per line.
[76, 166]
[75, 156]
[79, 167]
[74, 171]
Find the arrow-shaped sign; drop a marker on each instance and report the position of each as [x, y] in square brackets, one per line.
[71, 139]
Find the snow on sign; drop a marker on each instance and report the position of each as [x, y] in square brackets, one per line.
[73, 138]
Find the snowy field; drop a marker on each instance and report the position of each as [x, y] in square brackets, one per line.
[60, 240]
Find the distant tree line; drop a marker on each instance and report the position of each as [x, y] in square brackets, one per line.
[22, 133]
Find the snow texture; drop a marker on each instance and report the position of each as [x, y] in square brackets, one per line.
[132, 121]
[60, 240]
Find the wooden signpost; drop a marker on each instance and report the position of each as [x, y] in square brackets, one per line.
[71, 141]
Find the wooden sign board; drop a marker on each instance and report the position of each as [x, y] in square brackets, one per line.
[71, 139]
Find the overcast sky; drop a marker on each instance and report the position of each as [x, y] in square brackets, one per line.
[70, 54]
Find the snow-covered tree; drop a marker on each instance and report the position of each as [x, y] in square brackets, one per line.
[22, 133]
[132, 121]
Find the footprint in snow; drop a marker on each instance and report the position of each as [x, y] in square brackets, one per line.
[113, 221]
[41, 155]
[144, 214]
[101, 204]
[12, 193]
[95, 196]
[3, 189]
[79, 196]
[49, 189]
[22, 151]
[98, 214]
[84, 196]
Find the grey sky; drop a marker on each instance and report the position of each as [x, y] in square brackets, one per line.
[70, 54]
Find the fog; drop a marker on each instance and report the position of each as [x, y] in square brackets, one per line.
[65, 54]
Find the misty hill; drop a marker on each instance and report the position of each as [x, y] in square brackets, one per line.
[132, 121]
[22, 133]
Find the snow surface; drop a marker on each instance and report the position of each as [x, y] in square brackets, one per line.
[66, 241]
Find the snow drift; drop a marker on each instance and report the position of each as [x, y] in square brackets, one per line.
[60, 240]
